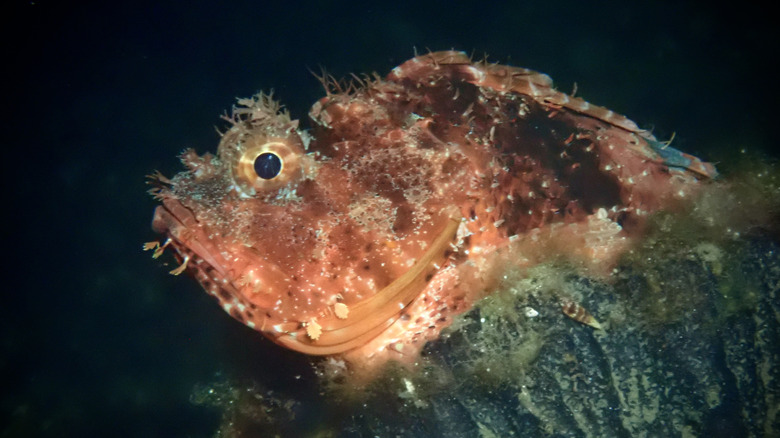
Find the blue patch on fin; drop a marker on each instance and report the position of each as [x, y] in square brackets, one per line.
[679, 160]
[672, 157]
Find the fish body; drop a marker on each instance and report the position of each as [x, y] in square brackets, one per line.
[366, 234]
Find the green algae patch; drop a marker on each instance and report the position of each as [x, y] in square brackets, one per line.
[712, 234]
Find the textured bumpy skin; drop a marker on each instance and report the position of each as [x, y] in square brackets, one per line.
[408, 195]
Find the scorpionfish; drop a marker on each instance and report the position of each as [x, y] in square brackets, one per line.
[364, 235]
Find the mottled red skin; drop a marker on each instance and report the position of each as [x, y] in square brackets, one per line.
[526, 169]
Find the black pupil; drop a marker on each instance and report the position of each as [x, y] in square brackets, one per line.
[268, 165]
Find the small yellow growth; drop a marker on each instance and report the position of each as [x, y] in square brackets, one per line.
[158, 249]
[341, 310]
[313, 329]
[148, 246]
[181, 268]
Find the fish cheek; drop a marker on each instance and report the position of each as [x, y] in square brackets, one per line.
[404, 219]
[318, 201]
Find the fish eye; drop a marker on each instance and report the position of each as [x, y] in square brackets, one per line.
[263, 163]
[268, 165]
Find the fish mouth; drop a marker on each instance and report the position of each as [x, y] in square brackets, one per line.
[366, 320]
[185, 234]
